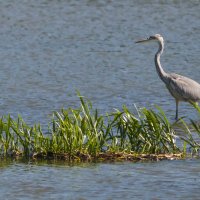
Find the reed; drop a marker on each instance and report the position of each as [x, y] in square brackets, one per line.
[84, 134]
[149, 132]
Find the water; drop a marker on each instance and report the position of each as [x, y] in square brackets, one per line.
[50, 49]
[159, 180]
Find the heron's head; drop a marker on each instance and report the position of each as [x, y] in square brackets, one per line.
[156, 37]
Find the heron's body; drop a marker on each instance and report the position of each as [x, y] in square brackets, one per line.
[183, 88]
[180, 87]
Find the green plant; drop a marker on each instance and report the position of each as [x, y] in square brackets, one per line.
[84, 134]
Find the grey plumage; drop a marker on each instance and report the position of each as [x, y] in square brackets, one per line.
[180, 87]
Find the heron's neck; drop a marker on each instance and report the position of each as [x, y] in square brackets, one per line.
[161, 73]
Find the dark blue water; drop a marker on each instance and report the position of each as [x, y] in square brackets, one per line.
[50, 49]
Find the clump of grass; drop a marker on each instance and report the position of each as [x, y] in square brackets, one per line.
[79, 131]
[83, 134]
[148, 132]
[191, 135]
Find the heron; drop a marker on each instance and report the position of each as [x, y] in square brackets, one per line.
[180, 87]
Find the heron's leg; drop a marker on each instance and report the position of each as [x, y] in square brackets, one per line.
[176, 118]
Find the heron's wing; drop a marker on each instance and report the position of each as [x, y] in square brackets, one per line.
[184, 88]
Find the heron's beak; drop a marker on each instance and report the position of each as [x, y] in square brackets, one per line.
[141, 41]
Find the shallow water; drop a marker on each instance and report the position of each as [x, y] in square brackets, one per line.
[157, 180]
[50, 49]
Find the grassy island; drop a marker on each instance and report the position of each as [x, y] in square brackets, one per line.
[83, 135]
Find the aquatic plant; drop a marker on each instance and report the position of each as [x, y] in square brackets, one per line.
[83, 134]
[191, 136]
[148, 132]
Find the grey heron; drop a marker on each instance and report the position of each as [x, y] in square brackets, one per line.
[180, 87]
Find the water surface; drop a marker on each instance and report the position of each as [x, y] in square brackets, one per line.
[50, 49]
[156, 180]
